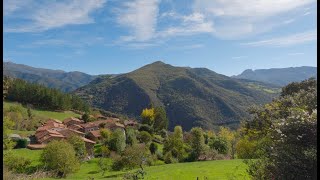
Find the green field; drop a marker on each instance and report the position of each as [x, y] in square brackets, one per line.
[219, 169]
[23, 133]
[46, 114]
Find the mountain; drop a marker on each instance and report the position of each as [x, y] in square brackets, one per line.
[64, 81]
[191, 96]
[279, 76]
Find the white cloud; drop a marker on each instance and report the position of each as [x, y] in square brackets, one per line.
[43, 15]
[294, 54]
[239, 57]
[238, 18]
[289, 40]
[306, 13]
[289, 21]
[190, 24]
[141, 17]
[11, 6]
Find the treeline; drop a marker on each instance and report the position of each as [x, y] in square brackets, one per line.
[42, 97]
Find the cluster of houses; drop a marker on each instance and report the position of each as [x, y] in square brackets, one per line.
[90, 132]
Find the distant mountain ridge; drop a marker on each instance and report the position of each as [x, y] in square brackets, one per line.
[191, 96]
[64, 81]
[279, 76]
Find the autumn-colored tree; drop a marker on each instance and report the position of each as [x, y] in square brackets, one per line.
[148, 116]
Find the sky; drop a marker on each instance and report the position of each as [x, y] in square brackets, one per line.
[119, 36]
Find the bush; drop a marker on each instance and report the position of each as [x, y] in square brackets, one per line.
[144, 137]
[60, 157]
[21, 143]
[117, 141]
[133, 156]
[105, 136]
[145, 127]
[105, 152]
[163, 133]
[16, 163]
[220, 144]
[168, 158]
[153, 148]
[104, 165]
[78, 145]
[131, 136]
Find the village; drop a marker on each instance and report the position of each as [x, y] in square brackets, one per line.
[89, 132]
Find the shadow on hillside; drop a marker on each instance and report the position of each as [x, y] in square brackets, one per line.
[115, 175]
[93, 172]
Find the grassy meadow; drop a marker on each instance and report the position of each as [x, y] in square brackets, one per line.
[46, 114]
[219, 169]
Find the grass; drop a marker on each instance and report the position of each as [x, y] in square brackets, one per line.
[45, 114]
[33, 155]
[218, 170]
[23, 133]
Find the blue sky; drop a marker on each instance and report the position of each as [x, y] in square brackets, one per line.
[118, 36]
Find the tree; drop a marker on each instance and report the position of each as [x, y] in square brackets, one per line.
[104, 164]
[160, 119]
[153, 148]
[16, 163]
[78, 145]
[144, 137]
[105, 136]
[60, 157]
[86, 117]
[197, 142]
[220, 144]
[145, 127]
[133, 156]
[226, 134]
[174, 144]
[148, 116]
[117, 141]
[289, 127]
[8, 124]
[131, 138]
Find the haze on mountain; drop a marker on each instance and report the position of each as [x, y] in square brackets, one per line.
[191, 96]
[279, 76]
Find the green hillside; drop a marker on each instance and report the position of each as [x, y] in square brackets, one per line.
[64, 81]
[43, 113]
[191, 96]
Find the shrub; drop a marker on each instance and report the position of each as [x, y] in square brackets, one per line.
[105, 136]
[145, 127]
[21, 143]
[60, 157]
[78, 145]
[117, 141]
[168, 158]
[131, 136]
[133, 156]
[105, 152]
[144, 137]
[163, 133]
[197, 143]
[153, 148]
[104, 165]
[220, 144]
[16, 163]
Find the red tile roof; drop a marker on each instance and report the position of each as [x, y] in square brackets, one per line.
[36, 146]
[72, 119]
[88, 140]
[95, 133]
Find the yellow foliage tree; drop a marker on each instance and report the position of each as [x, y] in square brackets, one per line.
[148, 116]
